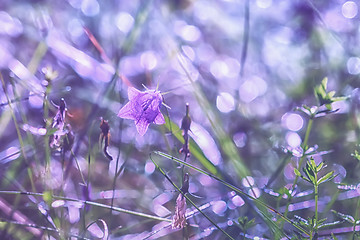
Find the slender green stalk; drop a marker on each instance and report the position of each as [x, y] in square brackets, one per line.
[29, 136]
[356, 219]
[307, 134]
[226, 142]
[304, 147]
[78, 166]
[87, 189]
[117, 171]
[316, 190]
[13, 117]
[47, 137]
[22, 145]
[91, 203]
[114, 180]
[39, 53]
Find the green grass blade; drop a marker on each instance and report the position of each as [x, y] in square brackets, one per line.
[225, 141]
[195, 150]
[91, 203]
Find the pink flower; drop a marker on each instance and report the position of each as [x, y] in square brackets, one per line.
[143, 108]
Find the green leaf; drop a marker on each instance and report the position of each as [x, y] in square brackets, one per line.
[320, 92]
[327, 177]
[285, 190]
[226, 143]
[324, 97]
[297, 172]
[47, 196]
[324, 83]
[320, 166]
[328, 106]
[331, 224]
[245, 223]
[345, 217]
[307, 108]
[313, 164]
[331, 94]
[195, 150]
[356, 155]
[306, 179]
[51, 131]
[302, 221]
[336, 99]
[333, 236]
[309, 172]
[320, 222]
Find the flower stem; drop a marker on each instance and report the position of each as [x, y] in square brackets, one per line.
[316, 204]
[356, 219]
[304, 147]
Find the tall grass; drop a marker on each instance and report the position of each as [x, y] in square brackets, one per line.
[64, 177]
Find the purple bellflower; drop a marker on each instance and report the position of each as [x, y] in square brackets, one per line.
[143, 108]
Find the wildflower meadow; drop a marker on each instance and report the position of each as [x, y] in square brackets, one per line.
[179, 119]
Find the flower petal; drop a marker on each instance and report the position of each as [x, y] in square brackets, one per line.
[133, 93]
[143, 108]
[159, 119]
[127, 112]
[142, 126]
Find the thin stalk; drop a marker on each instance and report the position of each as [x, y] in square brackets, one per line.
[307, 134]
[78, 166]
[304, 147]
[62, 188]
[195, 150]
[87, 191]
[172, 149]
[356, 218]
[245, 37]
[13, 117]
[47, 137]
[114, 180]
[91, 203]
[39, 53]
[30, 138]
[22, 146]
[316, 189]
[117, 160]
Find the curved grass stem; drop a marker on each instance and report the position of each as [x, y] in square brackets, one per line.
[91, 203]
[22, 145]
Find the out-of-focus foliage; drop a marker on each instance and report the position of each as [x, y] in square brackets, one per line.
[244, 67]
